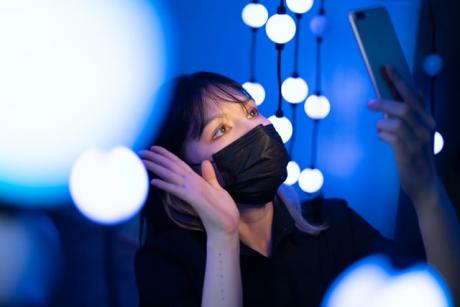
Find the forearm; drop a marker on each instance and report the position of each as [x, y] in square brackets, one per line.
[440, 230]
[222, 281]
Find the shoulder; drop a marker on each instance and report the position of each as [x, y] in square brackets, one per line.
[334, 211]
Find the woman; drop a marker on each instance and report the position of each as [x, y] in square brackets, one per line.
[234, 237]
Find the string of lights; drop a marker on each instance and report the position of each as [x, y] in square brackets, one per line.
[281, 29]
[432, 66]
[255, 16]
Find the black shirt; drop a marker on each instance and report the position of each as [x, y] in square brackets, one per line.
[170, 268]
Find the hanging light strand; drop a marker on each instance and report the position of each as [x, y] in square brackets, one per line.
[432, 65]
[279, 49]
[295, 74]
[296, 46]
[252, 56]
[254, 15]
[317, 107]
[318, 91]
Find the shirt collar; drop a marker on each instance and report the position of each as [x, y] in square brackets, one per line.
[283, 224]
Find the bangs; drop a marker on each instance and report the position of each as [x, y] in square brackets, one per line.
[214, 93]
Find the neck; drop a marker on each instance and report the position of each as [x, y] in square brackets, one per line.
[255, 227]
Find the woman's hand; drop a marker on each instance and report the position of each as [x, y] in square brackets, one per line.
[409, 130]
[216, 208]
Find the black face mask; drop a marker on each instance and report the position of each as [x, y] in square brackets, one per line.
[252, 167]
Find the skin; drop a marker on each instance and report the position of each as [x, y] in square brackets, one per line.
[408, 129]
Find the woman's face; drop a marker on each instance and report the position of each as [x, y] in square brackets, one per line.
[224, 123]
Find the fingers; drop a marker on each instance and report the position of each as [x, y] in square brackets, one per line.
[408, 95]
[421, 123]
[209, 174]
[397, 132]
[392, 139]
[171, 156]
[160, 160]
[169, 187]
[164, 173]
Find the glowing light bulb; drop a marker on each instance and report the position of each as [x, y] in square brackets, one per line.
[294, 89]
[293, 172]
[438, 143]
[280, 28]
[432, 64]
[254, 15]
[283, 126]
[318, 25]
[74, 74]
[317, 107]
[109, 187]
[299, 6]
[311, 180]
[256, 90]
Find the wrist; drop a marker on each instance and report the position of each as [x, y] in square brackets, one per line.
[429, 197]
[223, 241]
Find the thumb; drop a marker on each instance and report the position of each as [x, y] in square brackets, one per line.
[209, 174]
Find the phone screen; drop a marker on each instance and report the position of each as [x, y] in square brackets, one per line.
[379, 46]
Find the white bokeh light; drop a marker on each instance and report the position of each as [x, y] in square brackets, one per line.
[283, 126]
[294, 89]
[299, 6]
[109, 187]
[373, 282]
[256, 90]
[74, 74]
[317, 107]
[293, 172]
[311, 180]
[280, 28]
[438, 143]
[254, 15]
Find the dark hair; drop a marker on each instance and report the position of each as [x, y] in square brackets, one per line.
[186, 116]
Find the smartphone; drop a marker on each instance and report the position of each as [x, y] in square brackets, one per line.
[379, 46]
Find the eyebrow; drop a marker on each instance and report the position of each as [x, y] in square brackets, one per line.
[209, 120]
[220, 115]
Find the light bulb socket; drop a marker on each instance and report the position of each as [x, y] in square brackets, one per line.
[252, 80]
[279, 47]
[322, 11]
[279, 113]
[254, 30]
[281, 10]
[255, 1]
[319, 39]
[295, 74]
[318, 93]
[298, 16]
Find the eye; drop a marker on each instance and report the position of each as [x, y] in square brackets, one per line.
[253, 112]
[219, 132]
